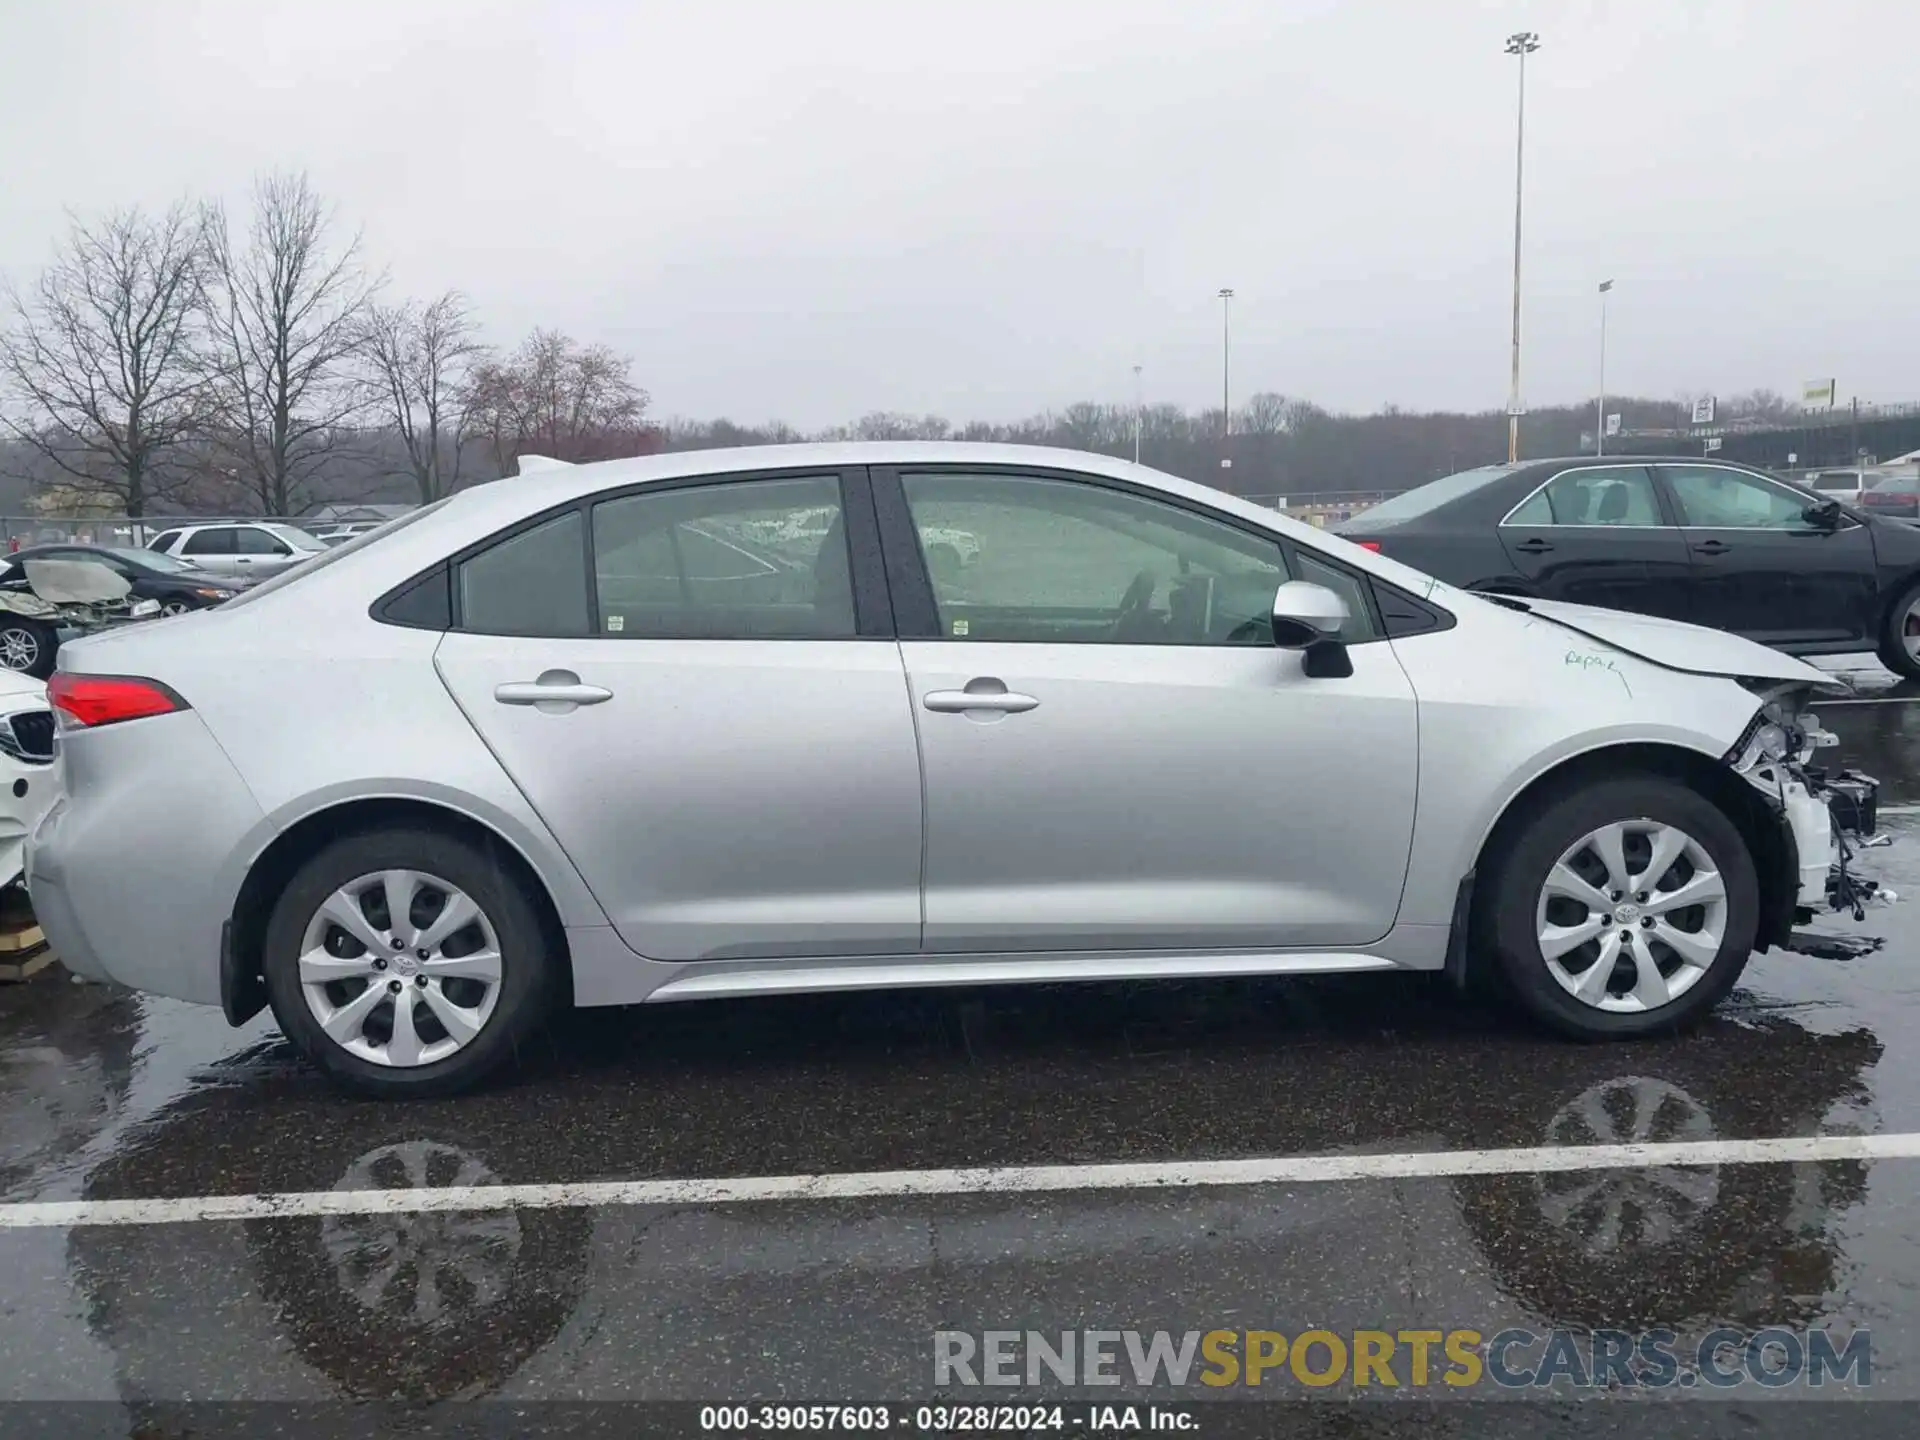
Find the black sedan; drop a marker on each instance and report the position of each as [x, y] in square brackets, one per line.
[1697, 540]
[176, 585]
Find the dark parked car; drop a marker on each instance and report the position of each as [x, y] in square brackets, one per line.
[1897, 495]
[1697, 540]
[176, 585]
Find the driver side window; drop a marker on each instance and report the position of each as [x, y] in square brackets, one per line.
[1027, 558]
[1712, 497]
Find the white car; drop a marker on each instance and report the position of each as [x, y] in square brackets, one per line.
[599, 760]
[1845, 486]
[249, 549]
[29, 780]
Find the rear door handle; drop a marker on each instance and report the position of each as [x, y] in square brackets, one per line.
[1533, 547]
[1711, 547]
[556, 691]
[956, 702]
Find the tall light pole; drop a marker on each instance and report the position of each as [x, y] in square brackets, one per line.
[1139, 414]
[1600, 405]
[1522, 43]
[1226, 371]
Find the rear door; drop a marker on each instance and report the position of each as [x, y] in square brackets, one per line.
[213, 550]
[1599, 535]
[1761, 569]
[696, 685]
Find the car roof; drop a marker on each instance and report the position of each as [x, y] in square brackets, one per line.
[553, 484]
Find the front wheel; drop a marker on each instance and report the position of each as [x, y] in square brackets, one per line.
[1900, 635]
[27, 647]
[407, 963]
[1626, 908]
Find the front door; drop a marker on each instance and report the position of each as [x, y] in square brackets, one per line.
[1597, 536]
[720, 743]
[260, 552]
[1116, 756]
[1762, 569]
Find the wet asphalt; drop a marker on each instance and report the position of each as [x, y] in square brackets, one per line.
[106, 1095]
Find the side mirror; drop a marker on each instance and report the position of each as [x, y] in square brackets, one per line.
[1304, 614]
[1823, 516]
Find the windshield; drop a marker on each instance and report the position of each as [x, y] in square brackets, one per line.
[1898, 482]
[296, 537]
[150, 560]
[1836, 480]
[1423, 499]
[328, 555]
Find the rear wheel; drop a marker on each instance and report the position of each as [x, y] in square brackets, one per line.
[27, 647]
[1625, 908]
[1900, 636]
[406, 963]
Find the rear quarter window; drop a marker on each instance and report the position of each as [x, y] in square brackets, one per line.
[333, 556]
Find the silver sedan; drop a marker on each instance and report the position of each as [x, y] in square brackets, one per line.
[696, 726]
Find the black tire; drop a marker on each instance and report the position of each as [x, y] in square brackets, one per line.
[1505, 906]
[528, 968]
[20, 636]
[1892, 649]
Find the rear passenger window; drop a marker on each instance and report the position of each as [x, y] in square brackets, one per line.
[740, 560]
[209, 542]
[1599, 495]
[532, 583]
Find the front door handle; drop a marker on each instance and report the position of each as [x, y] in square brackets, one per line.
[982, 694]
[1535, 546]
[1711, 547]
[555, 692]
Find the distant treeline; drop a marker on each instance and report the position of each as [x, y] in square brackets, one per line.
[1278, 445]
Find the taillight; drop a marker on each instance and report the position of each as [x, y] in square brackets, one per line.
[1373, 545]
[82, 702]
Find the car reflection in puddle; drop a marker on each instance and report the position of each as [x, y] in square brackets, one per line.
[1610, 1211]
[1684, 1246]
[440, 1305]
[432, 1305]
[421, 1270]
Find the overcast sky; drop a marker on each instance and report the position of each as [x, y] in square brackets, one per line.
[809, 209]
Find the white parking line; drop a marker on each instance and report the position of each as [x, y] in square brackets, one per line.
[1897, 810]
[1871, 700]
[1018, 1179]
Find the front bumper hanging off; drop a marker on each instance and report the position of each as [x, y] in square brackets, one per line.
[1853, 803]
[1831, 817]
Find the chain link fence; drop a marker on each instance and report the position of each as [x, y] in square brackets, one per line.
[18, 532]
[1322, 507]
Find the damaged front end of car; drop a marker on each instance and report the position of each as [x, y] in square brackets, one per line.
[1830, 817]
[82, 596]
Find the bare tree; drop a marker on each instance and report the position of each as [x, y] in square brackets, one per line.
[554, 396]
[285, 311]
[1264, 414]
[100, 362]
[419, 361]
